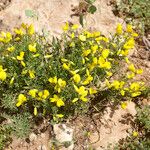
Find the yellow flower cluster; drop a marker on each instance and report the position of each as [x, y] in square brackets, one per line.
[3, 74]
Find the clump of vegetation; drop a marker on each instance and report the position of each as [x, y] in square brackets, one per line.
[61, 77]
[136, 11]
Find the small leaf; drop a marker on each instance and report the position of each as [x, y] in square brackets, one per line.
[81, 20]
[29, 13]
[90, 1]
[92, 9]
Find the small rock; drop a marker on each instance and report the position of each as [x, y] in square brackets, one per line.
[42, 147]
[32, 137]
[64, 134]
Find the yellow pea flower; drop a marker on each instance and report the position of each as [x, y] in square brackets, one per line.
[66, 27]
[35, 111]
[135, 86]
[96, 34]
[75, 27]
[61, 83]
[84, 99]
[21, 56]
[119, 29]
[33, 92]
[77, 78]
[11, 49]
[32, 74]
[129, 28]
[59, 102]
[92, 91]
[12, 80]
[105, 53]
[53, 80]
[21, 99]
[130, 75]
[124, 105]
[87, 80]
[129, 44]
[122, 92]
[94, 48]
[139, 71]
[82, 38]
[135, 133]
[19, 31]
[86, 52]
[75, 100]
[3, 74]
[59, 115]
[135, 94]
[65, 66]
[45, 94]
[132, 68]
[81, 90]
[31, 30]
[32, 47]
[23, 64]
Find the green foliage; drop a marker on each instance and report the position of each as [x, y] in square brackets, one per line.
[143, 117]
[138, 11]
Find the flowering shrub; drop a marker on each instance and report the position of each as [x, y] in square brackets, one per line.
[62, 76]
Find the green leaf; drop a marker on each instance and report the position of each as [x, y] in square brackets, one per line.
[81, 20]
[90, 1]
[92, 9]
[29, 13]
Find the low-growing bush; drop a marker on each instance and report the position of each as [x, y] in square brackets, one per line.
[61, 77]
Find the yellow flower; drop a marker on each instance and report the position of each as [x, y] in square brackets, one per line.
[75, 26]
[130, 75]
[19, 31]
[21, 99]
[105, 53]
[139, 71]
[21, 56]
[53, 80]
[33, 92]
[119, 29]
[59, 102]
[77, 78]
[59, 115]
[12, 80]
[129, 28]
[135, 94]
[82, 38]
[109, 74]
[3, 74]
[61, 83]
[31, 30]
[66, 27]
[122, 92]
[124, 105]
[96, 34]
[5, 37]
[32, 74]
[104, 64]
[94, 48]
[135, 133]
[65, 66]
[32, 47]
[86, 52]
[132, 68]
[11, 49]
[129, 44]
[81, 90]
[135, 86]
[87, 80]
[23, 64]
[75, 100]
[35, 111]
[92, 91]
[45, 94]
